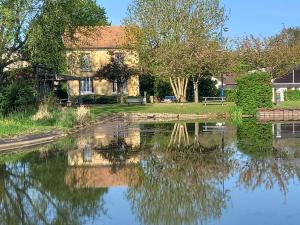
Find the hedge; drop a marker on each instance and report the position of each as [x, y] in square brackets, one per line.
[17, 97]
[292, 95]
[98, 99]
[230, 95]
[254, 91]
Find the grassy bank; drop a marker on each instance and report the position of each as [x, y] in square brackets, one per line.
[66, 118]
[43, 120]
[288, 105]
[187, 108]
[20, 124]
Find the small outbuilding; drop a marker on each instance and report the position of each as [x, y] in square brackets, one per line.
[289, 81]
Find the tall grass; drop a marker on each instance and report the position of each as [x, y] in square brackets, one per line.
[48, 117]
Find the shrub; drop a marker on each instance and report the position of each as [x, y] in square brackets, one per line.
[17, 97]
[292, 95]
[98, 99]
[42, 113]
[62, 91]
[230, 95]
[83, 115]
[254, 91]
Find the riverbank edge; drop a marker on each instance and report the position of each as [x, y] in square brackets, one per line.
[25, 141]
[31, 140]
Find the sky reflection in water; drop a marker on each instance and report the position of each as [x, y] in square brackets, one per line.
[172, 173]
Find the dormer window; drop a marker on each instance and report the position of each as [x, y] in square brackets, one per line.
[85, 64]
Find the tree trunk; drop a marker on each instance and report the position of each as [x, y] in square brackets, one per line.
[121, 93]
[196, 90]
[179, 87]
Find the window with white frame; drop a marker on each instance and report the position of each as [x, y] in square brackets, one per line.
[85, 64]
[86, 86]
[115, 87]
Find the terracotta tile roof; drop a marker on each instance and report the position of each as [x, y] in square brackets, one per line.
[100, 37]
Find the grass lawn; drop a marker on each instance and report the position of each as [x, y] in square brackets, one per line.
[23, 124]
[11, 127]
[289, 105]
[176, 108]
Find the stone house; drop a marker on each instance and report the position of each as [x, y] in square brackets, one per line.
[93, 49]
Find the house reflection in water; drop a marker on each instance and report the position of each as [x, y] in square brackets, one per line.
[93, 163]
[287, 137]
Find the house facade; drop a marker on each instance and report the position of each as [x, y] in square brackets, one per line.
[289, 81]
[92, 51]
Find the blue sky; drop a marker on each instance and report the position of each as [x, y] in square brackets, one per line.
[258, 17]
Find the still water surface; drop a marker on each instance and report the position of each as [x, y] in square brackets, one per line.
[173, 173]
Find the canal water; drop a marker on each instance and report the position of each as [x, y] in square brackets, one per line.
[164, 173]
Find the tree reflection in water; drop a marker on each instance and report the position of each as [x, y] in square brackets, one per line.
[265, 167]
[33, 191]
[181, 184]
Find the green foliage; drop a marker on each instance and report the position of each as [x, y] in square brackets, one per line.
[292, 95]
[255, 139]
[230, 95]
[17, 97]
[33, 30]
[147, 84]
[62, 91]
[45, 44]
[162, 88]
[236, 115]
[254, 91]
[99, 99]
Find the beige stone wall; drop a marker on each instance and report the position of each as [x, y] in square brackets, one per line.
[133, 86]
[99, 58]
[102, 87]
[74, 87]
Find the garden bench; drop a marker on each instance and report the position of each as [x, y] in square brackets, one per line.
[214, 100]
[135, 101]
[62, 101]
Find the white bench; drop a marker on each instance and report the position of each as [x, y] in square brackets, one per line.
[135, 101]
[214, 100]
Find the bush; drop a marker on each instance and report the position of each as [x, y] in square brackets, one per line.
[292, 95]
[254, 91]
[162, 88]
[230, 95]
[17, 97]
[62, 91]
[99, 99]
[83, 115]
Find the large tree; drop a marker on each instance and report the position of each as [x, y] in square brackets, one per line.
[276, 54]
[168, 34]
[32, 30]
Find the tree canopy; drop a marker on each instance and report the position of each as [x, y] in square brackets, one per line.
[33, 30]
[170, 36]
[276, 54]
